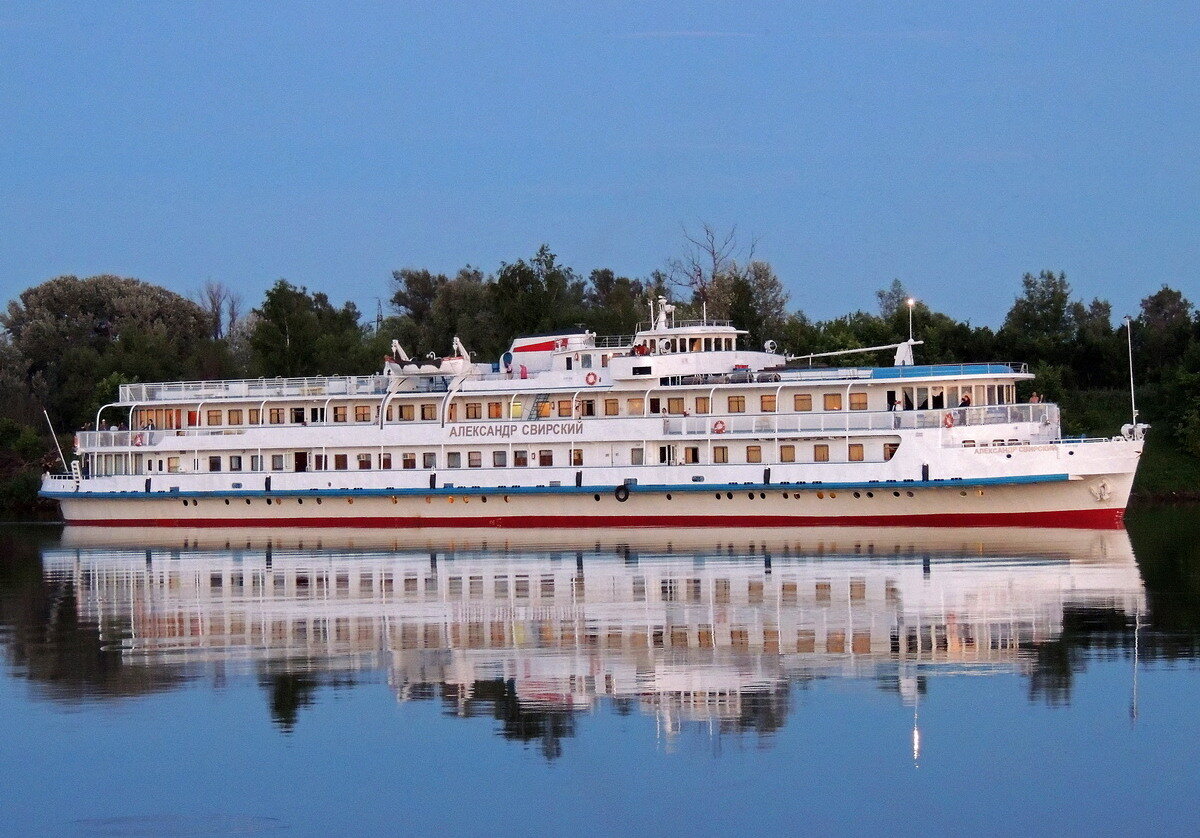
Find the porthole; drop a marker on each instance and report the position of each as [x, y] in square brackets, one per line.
[451, 498]
[279, 501]
[963, 493]
[185, 503]
[227, 501]
[466, 499]
[268, 501]
[981, 493]
[506, 498]
[821, 495]
[394, 499]
[318, 501]
[1070, 453]
[248, 501]
[717, 496]
[596, 497]
[762, 495]
[349, 500]
[1008, 456]
[833, 494]
[750, 495]
[299, 501]
[910, 494]
[895, 494]
[729, 495]
[668, 495]
[786, 496]
[429, 500]
[483, 499]
[195, 502]
[857, 495]
[870, 494]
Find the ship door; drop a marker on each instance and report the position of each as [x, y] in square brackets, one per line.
[666, 455]
[301, 461]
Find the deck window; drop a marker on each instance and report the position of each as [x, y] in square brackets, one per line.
[256, 462]
[890, 449]
[339, 413]
[385, 460]
[364, 462]
[820, 453]
[320, 462]
[576, 456]
[587, 407]
[637, 456]
[499, 459]
[737, 404]
[254, 416]
[406, 412]
[362, 413]
[213, 417]
[429, 459]
[855, 452]
[675, 406]
[858, 401]
[408, 460]
[276, 415]
[720, 453]
[428, 412]
[214, 463]
[635, 407]
[474, 459]
[702, 405]
[543, 409]
[276, 462]
[787, 453]
[612, 407]
[564, 407]
[754, 453]
[297, 416]
[495, 410]
[235, 462]
[766, 404]
[474, 410]
[235, 416]
[453, 459]
[341, 462]
[521, 458]
[833, 401]
[802, 401]
[545, 457]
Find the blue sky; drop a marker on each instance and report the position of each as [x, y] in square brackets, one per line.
[953, 146]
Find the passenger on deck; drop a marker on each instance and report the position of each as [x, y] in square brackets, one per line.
[966, 400]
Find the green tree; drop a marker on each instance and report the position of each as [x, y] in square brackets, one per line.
[299, 334]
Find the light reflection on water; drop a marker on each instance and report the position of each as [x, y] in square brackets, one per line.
[679, 682]
[692, 628]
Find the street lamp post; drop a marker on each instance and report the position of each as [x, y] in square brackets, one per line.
[911, 303]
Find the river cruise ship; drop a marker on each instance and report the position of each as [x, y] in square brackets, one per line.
[681, 424]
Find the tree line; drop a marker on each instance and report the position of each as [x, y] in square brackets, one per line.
[68, 343]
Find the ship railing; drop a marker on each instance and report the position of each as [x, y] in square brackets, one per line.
[1046, 415]
[252, 388]
[613, 341]
[90, 440]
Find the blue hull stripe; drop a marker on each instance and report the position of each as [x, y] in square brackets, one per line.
[890, 485]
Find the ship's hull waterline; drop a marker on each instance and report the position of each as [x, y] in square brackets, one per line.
[1095, 502]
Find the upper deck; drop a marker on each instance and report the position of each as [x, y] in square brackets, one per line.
[323, 387]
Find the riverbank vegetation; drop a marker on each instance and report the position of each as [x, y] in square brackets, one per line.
[68, 343]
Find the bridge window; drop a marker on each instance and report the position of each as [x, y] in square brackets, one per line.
[802, 401]
[587, 407]
[833, 401]
[691, 455]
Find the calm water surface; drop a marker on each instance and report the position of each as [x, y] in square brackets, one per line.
[885, 681]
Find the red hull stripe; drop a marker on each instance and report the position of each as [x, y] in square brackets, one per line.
[1075, 519]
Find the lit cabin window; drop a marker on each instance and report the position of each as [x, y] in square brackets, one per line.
[474, 410]
[720, 453]
[495, 410]
[820, 453]
[636, 407]
[754, 453]
[408, 460]
[675, 406]
[767, 404]
[802, 401]
[702, 404]
[737, 404]
[612, 407]
[787, 453]
[564, 407]
[858, 401]
[407, 412]
[833, 401]
[235, 416]
[855, 452]
[428, 413]
[362, 413]
[890, 449]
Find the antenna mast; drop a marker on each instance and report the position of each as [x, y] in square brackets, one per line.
[1129, 344]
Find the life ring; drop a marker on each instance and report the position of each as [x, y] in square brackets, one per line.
[138, 439]
[947, 420]
[621, 493]
[591, 378]
[719, 426]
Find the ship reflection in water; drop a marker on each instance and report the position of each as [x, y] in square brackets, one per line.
[707, 628]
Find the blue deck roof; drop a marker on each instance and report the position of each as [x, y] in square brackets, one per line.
[928, 370]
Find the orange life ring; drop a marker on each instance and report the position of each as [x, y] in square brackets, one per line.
[719, 427]
[138, 439]
[948, 420]
[591, 378]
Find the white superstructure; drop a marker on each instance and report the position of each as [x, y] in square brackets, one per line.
[678, 425]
